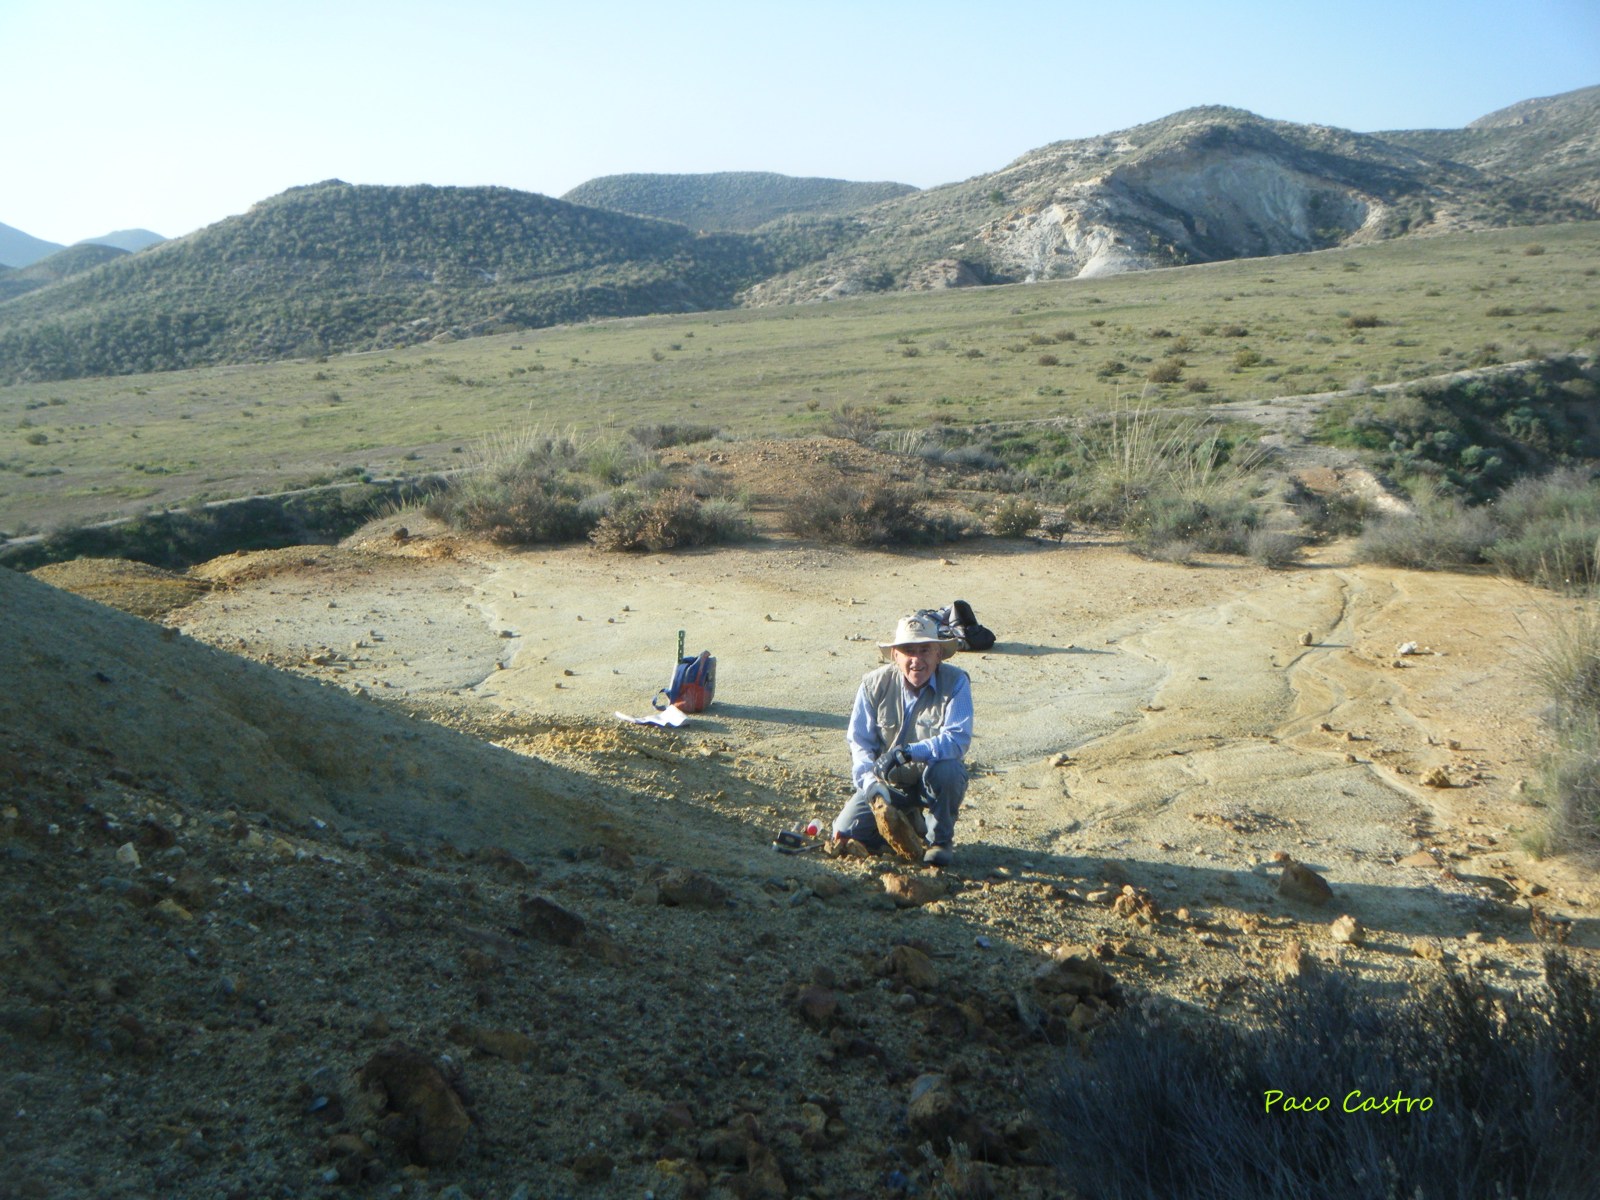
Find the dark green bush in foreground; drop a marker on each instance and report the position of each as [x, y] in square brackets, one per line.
[1504, 1092]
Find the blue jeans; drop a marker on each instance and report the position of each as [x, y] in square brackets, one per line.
[936, 790]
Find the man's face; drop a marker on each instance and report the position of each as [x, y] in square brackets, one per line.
[916, 662]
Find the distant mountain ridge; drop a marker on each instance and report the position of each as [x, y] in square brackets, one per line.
[730, 201]
[19, 249]
[334, 267]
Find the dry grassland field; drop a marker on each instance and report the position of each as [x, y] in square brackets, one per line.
[91, 449]
[335, 873]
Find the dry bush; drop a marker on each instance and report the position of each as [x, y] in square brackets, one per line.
[667, 521]
[871, 513]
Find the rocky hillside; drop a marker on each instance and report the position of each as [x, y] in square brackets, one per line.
[730, 200]
[1202, 185]
[1551, 144]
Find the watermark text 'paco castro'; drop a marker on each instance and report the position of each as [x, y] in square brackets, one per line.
[1354, 1102]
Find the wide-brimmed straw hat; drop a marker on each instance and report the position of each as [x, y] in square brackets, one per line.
[917, 629]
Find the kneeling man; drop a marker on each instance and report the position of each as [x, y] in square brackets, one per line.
[910, 728]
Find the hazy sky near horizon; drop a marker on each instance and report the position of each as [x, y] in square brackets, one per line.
[172, 114]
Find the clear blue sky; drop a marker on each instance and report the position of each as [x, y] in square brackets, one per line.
[172, 114]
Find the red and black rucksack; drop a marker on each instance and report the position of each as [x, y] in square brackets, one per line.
[694, 682]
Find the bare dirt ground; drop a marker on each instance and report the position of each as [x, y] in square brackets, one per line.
[358, 824]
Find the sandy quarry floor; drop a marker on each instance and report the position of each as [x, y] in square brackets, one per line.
[1193, 717]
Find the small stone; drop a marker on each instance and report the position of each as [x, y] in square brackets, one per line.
[592, 1167]
[436, 1123]
[506, 1044]
[1299, 882]
[826, 887]
[913, 891]
[911, 967]
[1074, 970]
[547, 921]
[1136, 905]
[170, 910]
[128, 854]
[1348, 931]
[685, 888]
[1437, 777]
[934, 1113]
[819, 1006]
[1292, 961]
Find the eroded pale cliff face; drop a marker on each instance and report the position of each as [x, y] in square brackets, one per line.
[1187, 207]
[1205, 185]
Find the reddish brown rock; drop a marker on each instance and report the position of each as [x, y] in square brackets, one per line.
[911, 967]
[1074, 970]
[1136, 905]
[819, 1006]
[913, 891]
[429, 1121]
[684, 888]
[1299, 882]
[547, 921]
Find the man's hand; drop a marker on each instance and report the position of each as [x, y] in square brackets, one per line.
[889, 760]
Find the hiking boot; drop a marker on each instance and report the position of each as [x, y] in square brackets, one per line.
[938, 856]
[898, 830]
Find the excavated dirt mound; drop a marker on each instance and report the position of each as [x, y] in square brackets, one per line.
[348, 880]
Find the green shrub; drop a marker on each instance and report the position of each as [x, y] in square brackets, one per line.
[1015, 517]
[852, 422]
[871, 513]
[1443, 536]
[669, 520]
[1221, 526]
[1169, 371]
[658, 437]
[1274, 548]
[1243, 359]
[1564, 661]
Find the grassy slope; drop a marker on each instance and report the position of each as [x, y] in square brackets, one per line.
[340, 266]
[118, 445]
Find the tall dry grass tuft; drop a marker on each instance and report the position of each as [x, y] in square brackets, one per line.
[1565, 662]
[1167, 479]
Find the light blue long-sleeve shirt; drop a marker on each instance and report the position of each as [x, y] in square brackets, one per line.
[951, 740]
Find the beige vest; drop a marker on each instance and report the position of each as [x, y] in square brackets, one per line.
[887, 699]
